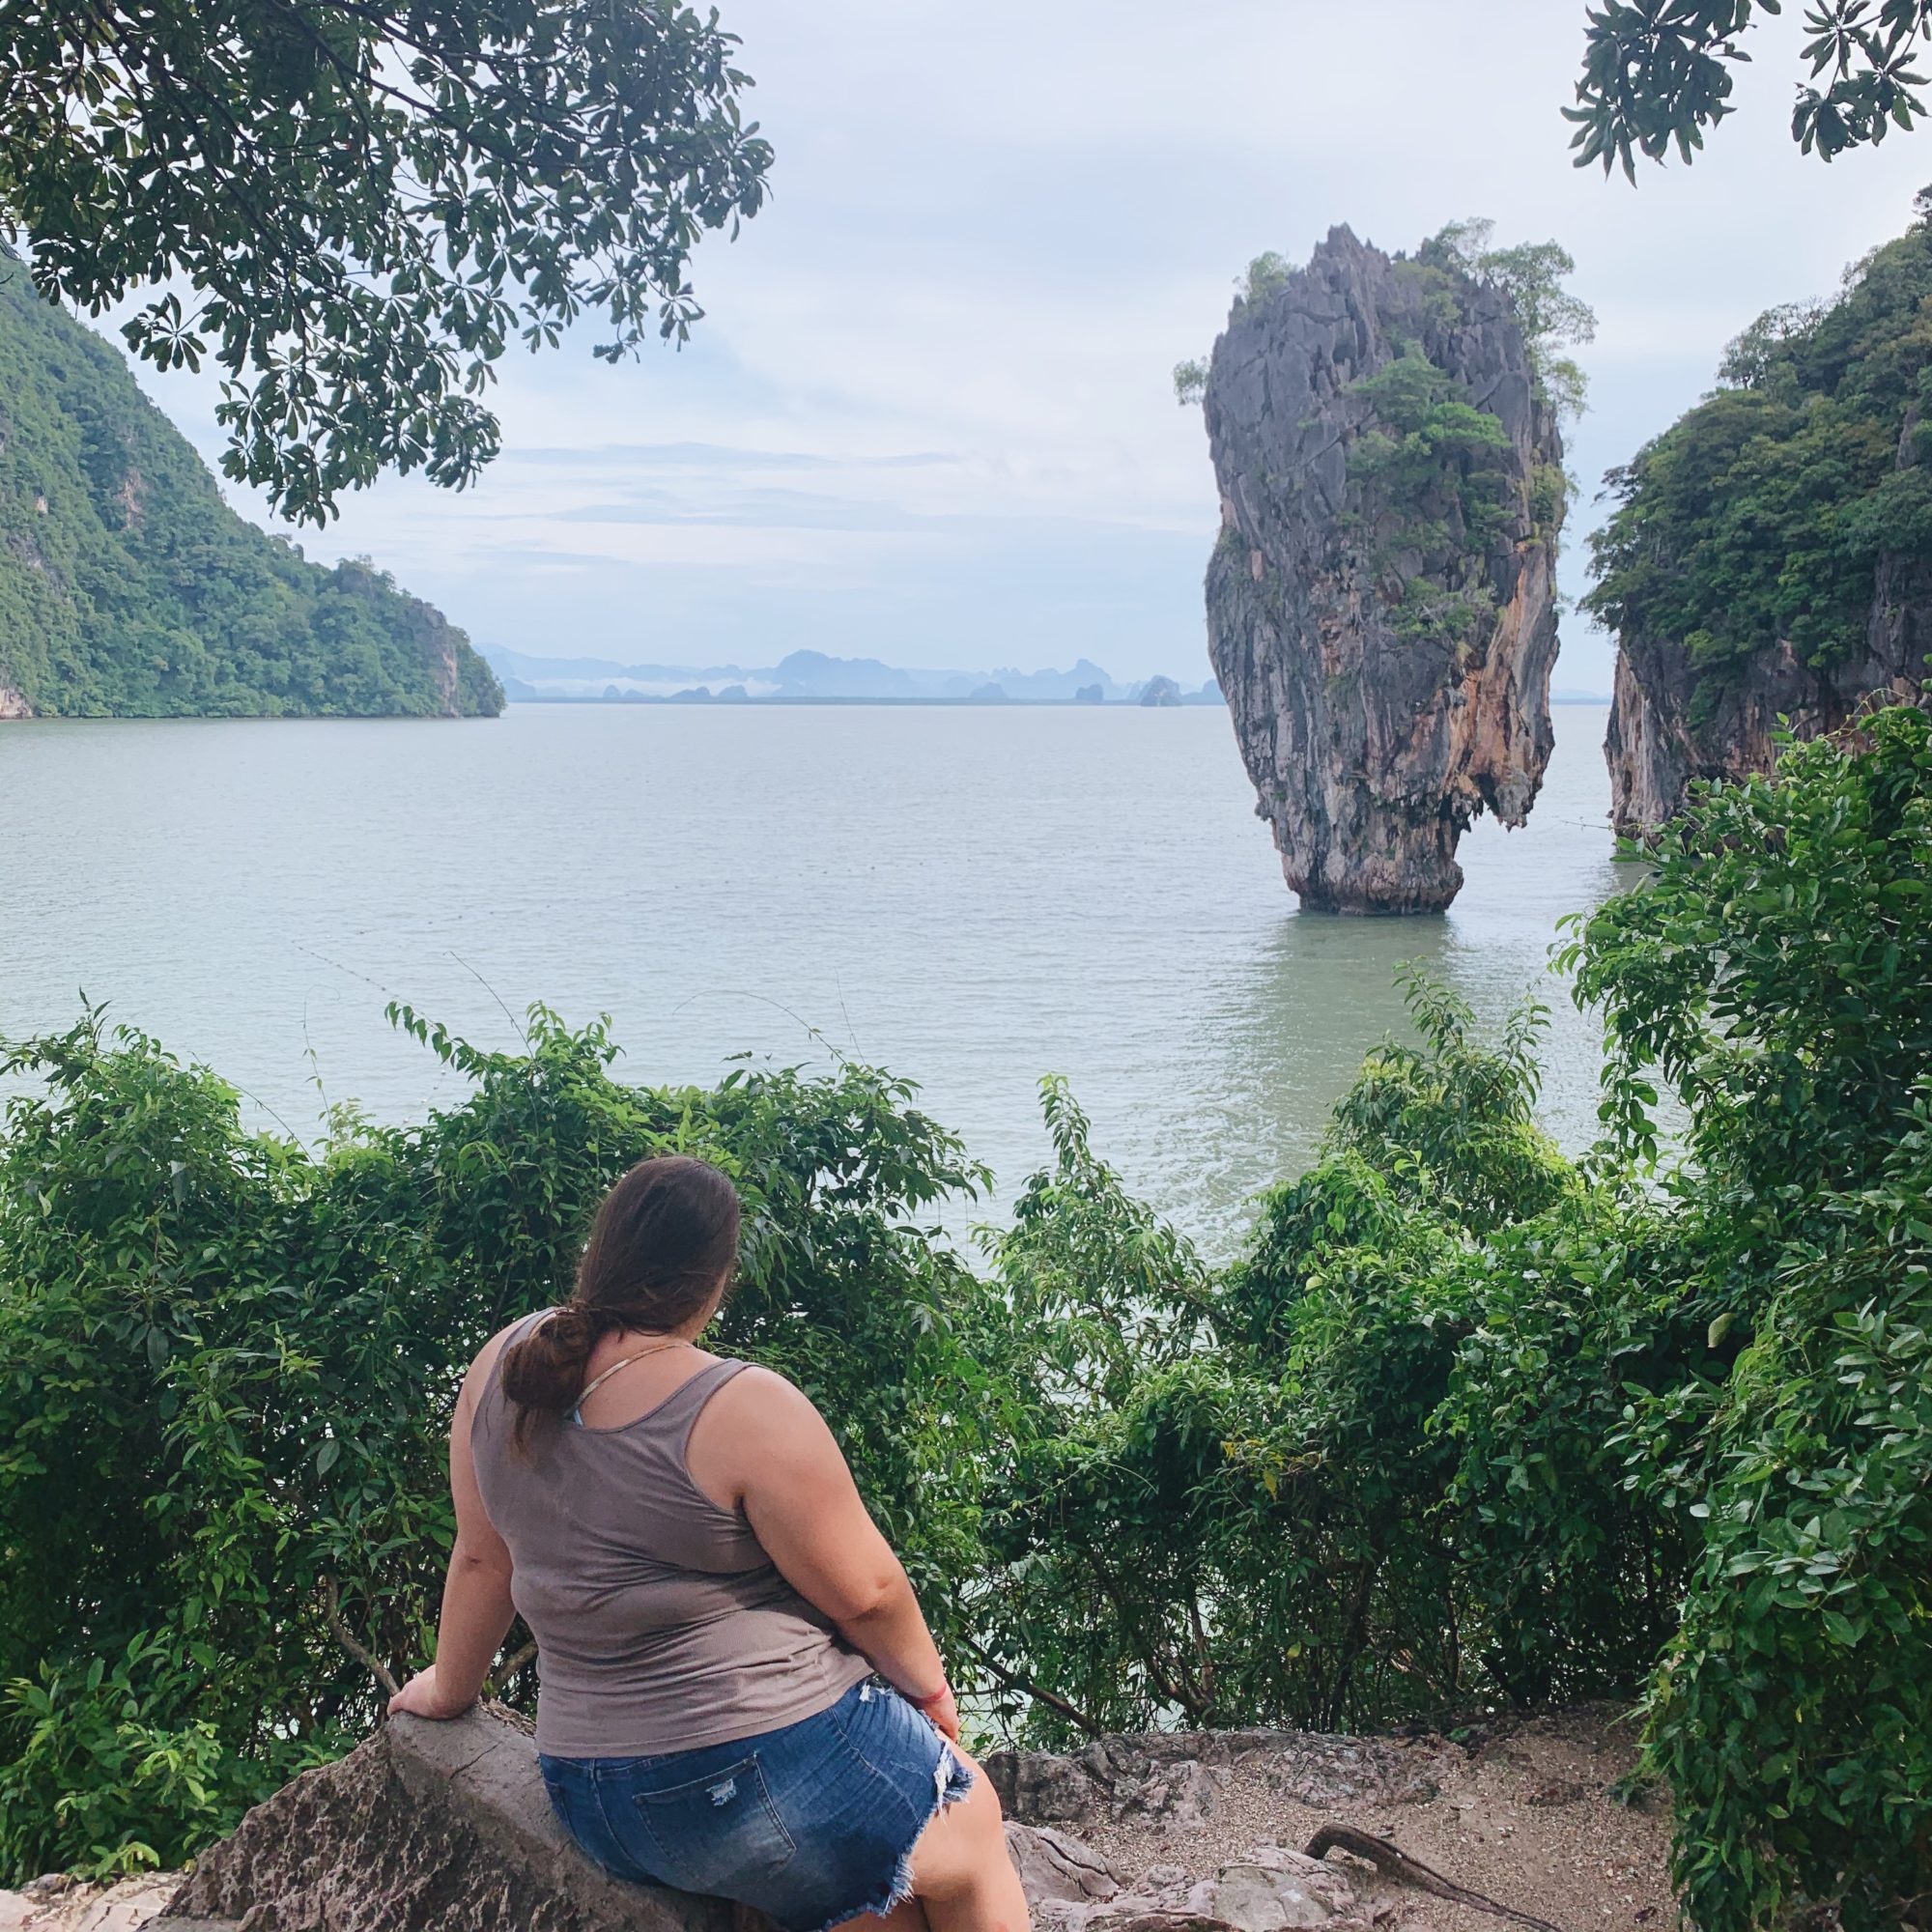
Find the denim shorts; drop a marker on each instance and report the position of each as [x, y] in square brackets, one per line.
[811, 1823]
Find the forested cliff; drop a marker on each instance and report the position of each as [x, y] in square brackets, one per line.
[129, 587]
[1771, 555]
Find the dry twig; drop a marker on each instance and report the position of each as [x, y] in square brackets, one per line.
[331, 1603]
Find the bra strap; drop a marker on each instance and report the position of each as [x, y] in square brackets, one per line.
[597, 1381]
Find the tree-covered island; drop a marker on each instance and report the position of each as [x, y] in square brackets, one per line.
[129, 588]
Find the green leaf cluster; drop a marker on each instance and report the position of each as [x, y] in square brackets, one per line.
[1657, 73]
[353, 207]
[1776, 975]
[127, 587]
[1761, 518]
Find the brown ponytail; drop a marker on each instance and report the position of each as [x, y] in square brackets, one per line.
[660, 1247]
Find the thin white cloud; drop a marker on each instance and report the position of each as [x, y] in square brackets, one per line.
[928, 415]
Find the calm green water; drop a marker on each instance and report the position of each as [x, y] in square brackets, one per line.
[971, 897]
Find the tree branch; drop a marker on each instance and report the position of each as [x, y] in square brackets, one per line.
[331, 1602]
[1037, 1691]
[524, 1654]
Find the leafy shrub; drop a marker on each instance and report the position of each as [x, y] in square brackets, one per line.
[1451, 1123]
[1776, 971]
[229, 1367]
[1792, 1713]
[1468, 1425]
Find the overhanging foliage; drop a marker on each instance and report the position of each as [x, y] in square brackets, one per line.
[353, 207]
[1658, 73]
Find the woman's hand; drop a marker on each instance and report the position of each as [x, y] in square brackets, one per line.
[419, 1697]
[944, 1714]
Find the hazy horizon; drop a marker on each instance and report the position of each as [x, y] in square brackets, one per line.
[930, 406]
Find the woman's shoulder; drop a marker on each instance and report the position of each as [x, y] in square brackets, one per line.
[759, 1427]
[763, 1405]
[510, 1331]
[752, 1381]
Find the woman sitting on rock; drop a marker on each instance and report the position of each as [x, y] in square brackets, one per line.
[739, 1694]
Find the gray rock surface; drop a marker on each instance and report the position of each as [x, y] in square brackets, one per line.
[1280, 1889]
[1054, 1867]
[1175, 1776]
[1178, 1796]
[1272, 1890]
[1371, 751]
[425, 1826]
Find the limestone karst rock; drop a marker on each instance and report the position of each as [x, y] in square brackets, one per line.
[1380, 606]
[1672, 723]
[1660, 738]
[1768, 558]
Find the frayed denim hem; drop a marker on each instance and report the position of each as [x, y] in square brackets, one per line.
[952, 1778]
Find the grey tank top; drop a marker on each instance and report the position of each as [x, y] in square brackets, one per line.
[661, 1623]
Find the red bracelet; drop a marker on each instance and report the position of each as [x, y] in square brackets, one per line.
[939, 1696]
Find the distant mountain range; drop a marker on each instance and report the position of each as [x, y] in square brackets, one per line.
[809, 677]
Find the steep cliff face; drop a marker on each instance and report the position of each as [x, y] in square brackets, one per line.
[1655, 750]
[129, 587]
[1380, 608]
[1771, 560]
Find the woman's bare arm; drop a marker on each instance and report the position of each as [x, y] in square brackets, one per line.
[477, 1606]
[769, 1449]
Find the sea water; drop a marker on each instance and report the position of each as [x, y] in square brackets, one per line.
[970, 897]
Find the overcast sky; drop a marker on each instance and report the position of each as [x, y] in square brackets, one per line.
[928, 415]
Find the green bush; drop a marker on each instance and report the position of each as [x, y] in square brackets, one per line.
[1776, 973]
[1468, 1426]
[229, 1367]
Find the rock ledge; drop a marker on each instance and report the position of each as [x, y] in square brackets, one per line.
[445, 1826]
